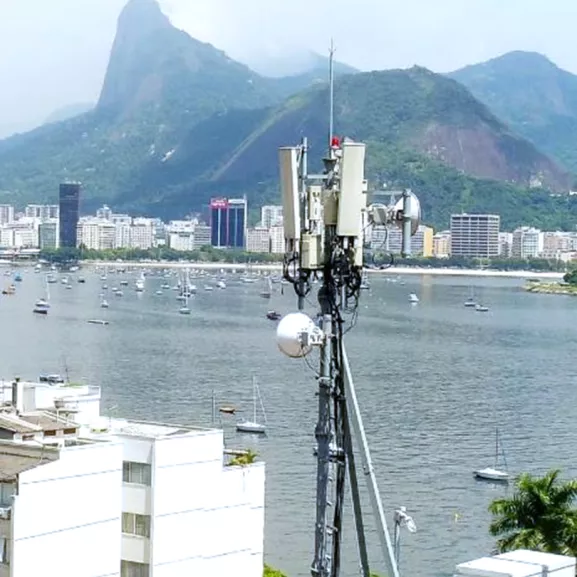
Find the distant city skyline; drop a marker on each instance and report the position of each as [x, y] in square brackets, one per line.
[58, 57]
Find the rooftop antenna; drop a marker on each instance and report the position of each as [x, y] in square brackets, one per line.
[332, 51]
[325, 218]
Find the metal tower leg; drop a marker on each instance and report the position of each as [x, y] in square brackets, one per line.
[321, 566]
[357, 425]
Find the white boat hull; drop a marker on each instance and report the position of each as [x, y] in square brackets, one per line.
[249, 427]
[490, 474]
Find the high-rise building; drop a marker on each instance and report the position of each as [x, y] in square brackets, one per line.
[48, 234]
[237, 222]
[96, 233]
[69, 214]
[271, 215]
[42, 211]
[6, 214]
[442, 244]
[475, 235]
[201, 236]
[219, 222]
[228, 222]
[527, 242]
[391, 240]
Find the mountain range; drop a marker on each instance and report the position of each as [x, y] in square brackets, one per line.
[178, 121]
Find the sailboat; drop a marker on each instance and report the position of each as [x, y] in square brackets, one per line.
[139, 285]
[494, 473]
[184, 309]
[43, 304]
[471, 302]
[254, 426]
[103, 304]
[266, 293]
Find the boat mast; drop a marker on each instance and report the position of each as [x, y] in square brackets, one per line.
[254, 399]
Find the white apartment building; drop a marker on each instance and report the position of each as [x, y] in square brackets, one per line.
[202, 234]
[271, 215]
[442, 244]
[527, 242]
[96, 233]
[142, 233]
[6, 214]
[258, 240]
[48, 236]
[118, 498]
[391, 239]
[505, 244]
[277, 240]
[20, 234]
[42, 211]
[475, 235]
[183, 241]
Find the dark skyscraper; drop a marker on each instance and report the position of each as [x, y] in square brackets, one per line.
[228, 221]
[69, 214]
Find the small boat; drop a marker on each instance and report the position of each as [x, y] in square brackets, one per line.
[481, 308]
[118, 293]
[221, 284]
[81, 280]
[413, 298]
[208, 288]
[159, 292]
[494, 473]
[97, 322]
[470, 302]
[273, 315]
[40, 310]
[17, 277]
[123, 283]
[104, 304]
[253, 426]
[227, 410]
[42, 303]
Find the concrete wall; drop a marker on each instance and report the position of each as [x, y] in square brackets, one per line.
[67, 515]
[207, 519]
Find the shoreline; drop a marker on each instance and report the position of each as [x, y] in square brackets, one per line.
[485, 273]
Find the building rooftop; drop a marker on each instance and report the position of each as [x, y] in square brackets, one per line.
[15, 458]
[148, 429]
[34, 422]
[13, 423]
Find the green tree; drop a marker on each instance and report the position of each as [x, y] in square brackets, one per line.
[571, 277]
[272, 572]
[539, 516]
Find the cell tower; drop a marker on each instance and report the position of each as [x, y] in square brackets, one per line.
[325, 220]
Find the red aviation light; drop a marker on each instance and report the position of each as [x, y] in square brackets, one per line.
[335, 142]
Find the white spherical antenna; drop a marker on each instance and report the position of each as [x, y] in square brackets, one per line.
[288, 334]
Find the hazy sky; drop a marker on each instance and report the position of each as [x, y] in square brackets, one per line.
[54, 52]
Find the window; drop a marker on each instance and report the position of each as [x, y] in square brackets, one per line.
[4, 549]
[134, 524]
[131, 569]
[70, 431]
[7, 490]
[138, 473]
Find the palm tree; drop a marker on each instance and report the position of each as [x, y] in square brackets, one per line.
[539, 516]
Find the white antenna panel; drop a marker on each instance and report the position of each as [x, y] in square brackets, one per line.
[289, 184]
[352, 198]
